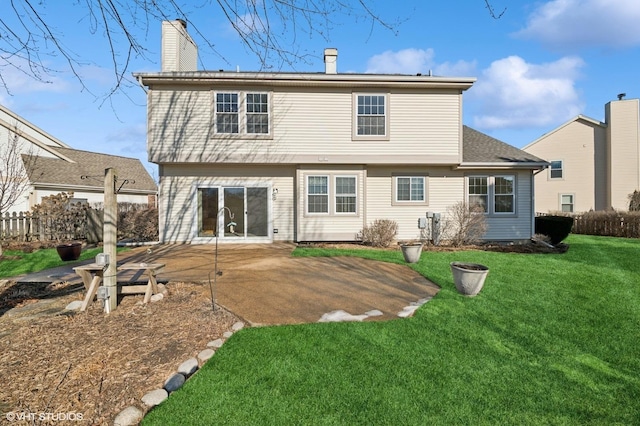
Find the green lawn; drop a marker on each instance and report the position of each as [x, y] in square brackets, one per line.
[18, 263]
[550, 340]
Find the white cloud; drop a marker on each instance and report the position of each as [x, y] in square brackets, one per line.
[585, 23]
[513, 93]
[407, 61]
[413, 61]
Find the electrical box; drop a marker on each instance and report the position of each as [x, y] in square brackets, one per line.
[429, 215]
[422, 222]
[102, 293]
[102, 259]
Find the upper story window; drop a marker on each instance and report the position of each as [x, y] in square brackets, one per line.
[555, 171]
[242, 113]
[227, 113]
[257, 113]
[370, 116]
[496, 194]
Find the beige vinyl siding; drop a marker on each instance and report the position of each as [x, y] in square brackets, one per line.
[574, 145]
[177, 208]
[444, 188]
[179, 126]
[425, 123]
[624, 161]
[307, 126]
[330, 226]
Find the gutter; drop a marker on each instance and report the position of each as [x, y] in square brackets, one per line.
[503, 166]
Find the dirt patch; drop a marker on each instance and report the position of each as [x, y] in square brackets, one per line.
[55, 361]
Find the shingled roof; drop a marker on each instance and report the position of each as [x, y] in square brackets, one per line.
[56, 171]
[478, 148]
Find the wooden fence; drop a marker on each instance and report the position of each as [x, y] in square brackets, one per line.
[612, 224]
[25, 227]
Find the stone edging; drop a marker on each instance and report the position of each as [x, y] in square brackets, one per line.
[133, 415]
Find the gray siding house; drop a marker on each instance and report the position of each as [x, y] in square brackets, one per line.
[318, 156]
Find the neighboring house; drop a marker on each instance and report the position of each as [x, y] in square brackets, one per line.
[594, 165]
[319, 156]
[56, 168]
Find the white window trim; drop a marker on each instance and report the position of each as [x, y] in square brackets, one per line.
[335, 195]
[354, 117]
[561, 169]
[242, 115]
[491, 194]
[307, 194]
[573, 201]
[396, 202]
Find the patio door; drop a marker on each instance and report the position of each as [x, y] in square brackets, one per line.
[233, 212]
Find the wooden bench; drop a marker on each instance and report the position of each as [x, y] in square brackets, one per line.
[92, 275]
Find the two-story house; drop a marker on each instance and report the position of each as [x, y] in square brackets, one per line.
[594, 165]
[318, 156]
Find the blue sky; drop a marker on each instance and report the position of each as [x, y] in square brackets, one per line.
[539, 65]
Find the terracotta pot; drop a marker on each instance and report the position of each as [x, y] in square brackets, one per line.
[468, 277]
[69, 251]
[411, 252]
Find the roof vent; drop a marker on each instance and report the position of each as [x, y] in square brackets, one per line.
[621, 96]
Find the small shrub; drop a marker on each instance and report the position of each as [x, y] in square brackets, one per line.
[464, 224]
[557, 228]
[634, 201]
[381, 233]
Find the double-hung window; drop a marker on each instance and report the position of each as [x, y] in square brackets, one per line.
[504, 196]
[555, 171]
[566, 203]
[479, 192]
[227, 113]
[345, 193]
[317, 194]
[371, 114]
[242, 113]
[331, 194]
[495, 194]
[257, 113]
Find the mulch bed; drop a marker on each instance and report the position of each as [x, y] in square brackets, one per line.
[94, 364]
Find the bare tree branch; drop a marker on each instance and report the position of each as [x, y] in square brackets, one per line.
[272, 30]
[16, 159]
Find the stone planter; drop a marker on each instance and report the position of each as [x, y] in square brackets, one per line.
[411, 252]
[468, 277]
[69, 251]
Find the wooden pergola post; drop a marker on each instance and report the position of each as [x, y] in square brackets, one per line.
[110, 230]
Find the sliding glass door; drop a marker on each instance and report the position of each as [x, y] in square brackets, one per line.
[233, 212]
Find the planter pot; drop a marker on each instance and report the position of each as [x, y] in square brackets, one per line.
[70, 251]
[468, 277]
[411, 252]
